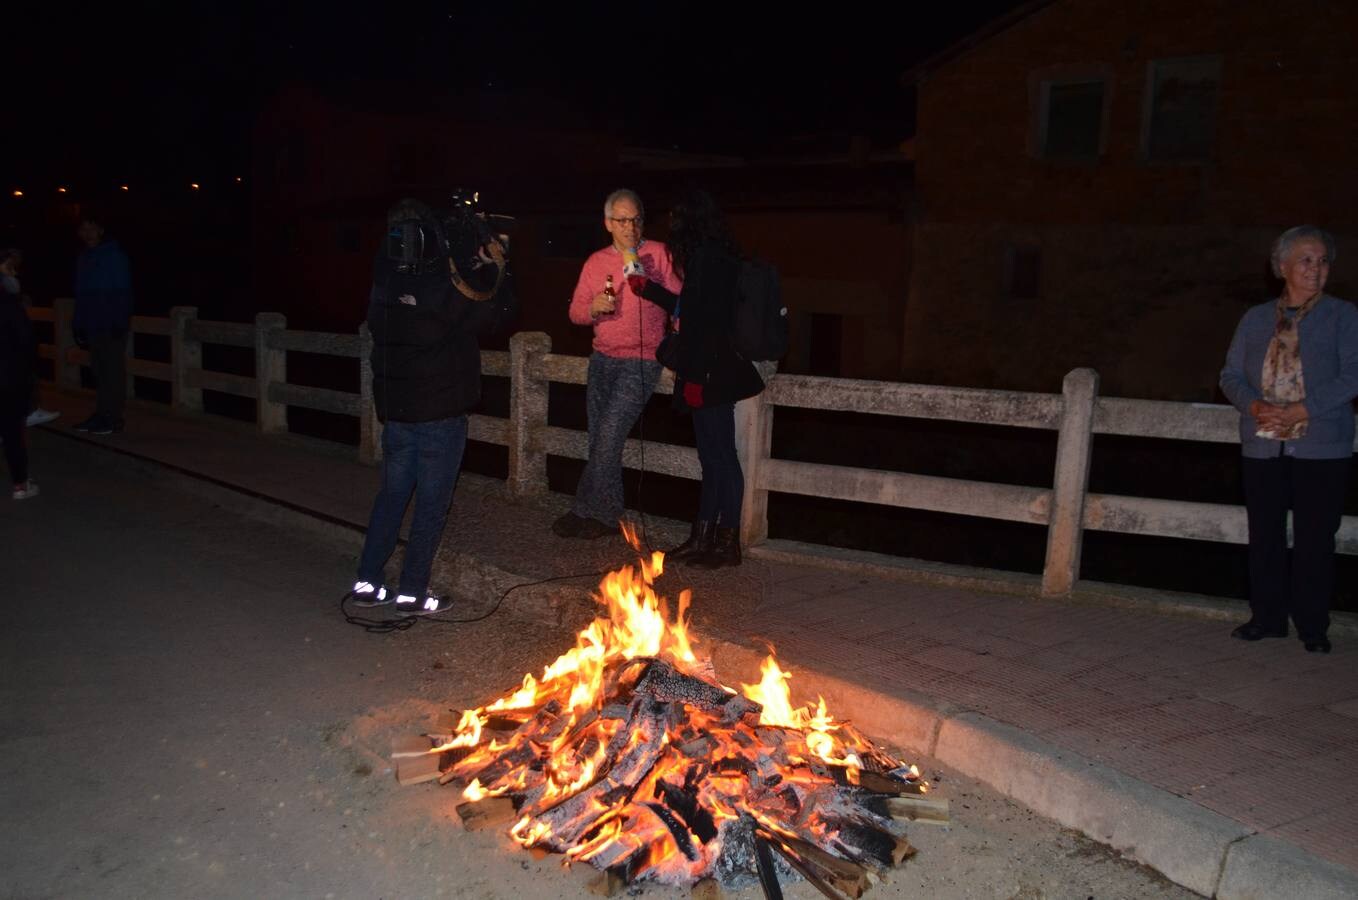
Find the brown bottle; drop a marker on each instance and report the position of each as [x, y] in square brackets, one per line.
[608, 288]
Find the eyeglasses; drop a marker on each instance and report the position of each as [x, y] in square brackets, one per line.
[635, 220]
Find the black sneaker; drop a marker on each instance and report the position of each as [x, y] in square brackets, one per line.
[429, 606]
[106, 426]
[367, 594]
[85, 425]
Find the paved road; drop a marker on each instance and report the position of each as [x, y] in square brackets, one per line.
[183, 714]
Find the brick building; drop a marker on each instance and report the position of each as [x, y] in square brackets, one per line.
[1099, 182]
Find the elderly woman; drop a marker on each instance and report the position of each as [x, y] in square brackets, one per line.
[1292, 371]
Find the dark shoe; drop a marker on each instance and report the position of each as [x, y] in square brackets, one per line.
[367, 594]
[725, 551]
[85, 425]
[1253, 631]
[106, 426]
[591, 529]
[572, 526]
[1319, 645]
[431, 605]
[699, 541]
[568, 526]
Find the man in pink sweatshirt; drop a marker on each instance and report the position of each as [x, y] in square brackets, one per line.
[622, 369]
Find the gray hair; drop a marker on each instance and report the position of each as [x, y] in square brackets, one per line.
[623, 194]
[1283, 245]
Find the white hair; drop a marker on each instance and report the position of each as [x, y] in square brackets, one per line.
[1282, 246]
[623, 194]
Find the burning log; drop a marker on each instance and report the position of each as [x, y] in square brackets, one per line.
[822, 869]
[666, 684]
[629, 755]
[768, 877]
[487, 813]
[684, 801]
[683, 839]
[416, 762]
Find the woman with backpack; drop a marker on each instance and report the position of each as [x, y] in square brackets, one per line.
[710, 375]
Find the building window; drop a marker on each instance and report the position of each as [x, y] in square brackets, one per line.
[1180, 112]
[1023, 271]
[1071, 119]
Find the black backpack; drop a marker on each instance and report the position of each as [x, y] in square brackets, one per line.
[760, 316]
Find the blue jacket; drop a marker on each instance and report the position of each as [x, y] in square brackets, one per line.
[1329, 363]
[103, 290]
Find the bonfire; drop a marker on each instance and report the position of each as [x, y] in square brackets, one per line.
[629, 755]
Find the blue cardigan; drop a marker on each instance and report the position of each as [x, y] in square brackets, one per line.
[103, 290]
[1329, 362]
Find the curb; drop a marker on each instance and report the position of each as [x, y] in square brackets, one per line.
[1192, 846]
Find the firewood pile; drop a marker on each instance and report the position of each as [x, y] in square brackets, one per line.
[629, 755]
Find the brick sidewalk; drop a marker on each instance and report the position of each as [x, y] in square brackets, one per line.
[1264, 734]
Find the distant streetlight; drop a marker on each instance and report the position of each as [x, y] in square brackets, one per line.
[124, 187]
[194, 186]
[61, 190]
[18, 193]
[237, 179]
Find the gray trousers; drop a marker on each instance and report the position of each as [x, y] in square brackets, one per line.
[108, 359]
[615, 395]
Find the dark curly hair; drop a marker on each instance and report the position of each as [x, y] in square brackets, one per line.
[696, 221]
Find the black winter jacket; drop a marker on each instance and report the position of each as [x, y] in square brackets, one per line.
[426, 356]
[706, 308]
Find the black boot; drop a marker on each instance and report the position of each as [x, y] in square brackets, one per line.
[725, 551]
[699, 542]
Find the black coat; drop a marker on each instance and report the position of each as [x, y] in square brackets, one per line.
[706, 306]
[426, 356]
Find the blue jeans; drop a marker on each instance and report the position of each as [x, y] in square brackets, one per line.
[615, 395]
[423, 458]
[723, 489]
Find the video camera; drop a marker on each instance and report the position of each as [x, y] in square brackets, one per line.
[471, 246]
[468, 226]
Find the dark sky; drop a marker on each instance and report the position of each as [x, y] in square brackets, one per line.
[116, 91]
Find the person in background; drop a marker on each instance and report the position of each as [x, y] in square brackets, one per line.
[103, 318]
[623, 370]
[1292, 372]
[10, 261]
[709, 374]
[18, 355]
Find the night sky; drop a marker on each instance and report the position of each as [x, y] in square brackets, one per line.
[110, 94]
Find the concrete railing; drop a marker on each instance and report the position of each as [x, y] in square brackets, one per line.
[1066, 509]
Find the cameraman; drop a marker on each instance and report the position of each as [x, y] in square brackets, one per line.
[426, 316]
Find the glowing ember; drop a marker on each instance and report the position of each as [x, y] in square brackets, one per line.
[628, 754]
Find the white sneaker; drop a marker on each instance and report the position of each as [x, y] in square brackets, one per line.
[367, 594]
[430, 606]
[42, 417]
[26, 491]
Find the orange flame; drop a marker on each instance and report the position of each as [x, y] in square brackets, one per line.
[635, 624]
